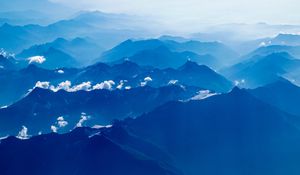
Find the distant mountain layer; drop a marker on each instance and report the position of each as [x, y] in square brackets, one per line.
[79, 50]
[162, 57]
[83, 151]
[106, 30]
[139, 51]
[261, 70]
[267, 50]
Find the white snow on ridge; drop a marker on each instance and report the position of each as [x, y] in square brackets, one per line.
[203, 95]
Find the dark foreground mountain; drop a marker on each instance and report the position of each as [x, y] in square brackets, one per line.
[226, 134]
[40, 110]
[83, 151]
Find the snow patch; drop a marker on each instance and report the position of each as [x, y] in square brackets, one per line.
[203, 94]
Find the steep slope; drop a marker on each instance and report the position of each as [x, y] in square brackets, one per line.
[282, 94]
[54, 58]
[127, 74]
[223, 54]
[232, 133]
[129, 48]
[82, 151]
[83, 50]
[16, 84]
[41, 108]
[162, 57]
[262, 70]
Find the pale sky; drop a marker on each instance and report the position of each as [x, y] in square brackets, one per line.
[205, 11]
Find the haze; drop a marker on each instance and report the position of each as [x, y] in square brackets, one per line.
[174, 12]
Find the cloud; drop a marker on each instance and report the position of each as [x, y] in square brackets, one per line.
[62, 86]
[23, 134]
[53, 129]
[86, 86]
[60, 71]
[36, 59]
[67, 86]
[83, 118]
[61, 122]
[44, 84]
[104, 85]
[146, 80]
[121, 84]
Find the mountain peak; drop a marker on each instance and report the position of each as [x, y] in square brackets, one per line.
[190, 66]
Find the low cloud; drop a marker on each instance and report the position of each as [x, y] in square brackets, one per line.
[83, 119]
[67, 86]
[53, 129]
[44, 85]
[85, 86]
[23, 134]
[36, 59]
[121, 84]
[146, 80]
[60, 71]
[61, 122]
[104, 85]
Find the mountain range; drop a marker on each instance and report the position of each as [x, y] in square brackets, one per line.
[261, 70]
[41, 108]
[214, 53]
[16, 84]
[233, 133]
[83, 151]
